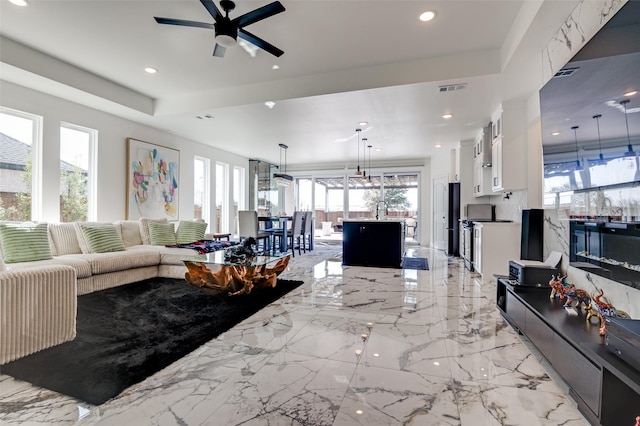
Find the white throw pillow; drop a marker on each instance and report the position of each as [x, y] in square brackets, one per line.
[130, 231]
[144, 228]
[3, 267]
[64, 239]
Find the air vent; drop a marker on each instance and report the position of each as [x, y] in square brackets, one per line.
[566, 72]
[452, 87]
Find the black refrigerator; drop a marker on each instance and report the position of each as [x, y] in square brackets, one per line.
[453, 220]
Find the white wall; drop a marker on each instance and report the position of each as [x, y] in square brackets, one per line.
[112, 134]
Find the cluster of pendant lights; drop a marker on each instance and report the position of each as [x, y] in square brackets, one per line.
[363, 172]
[601, 161]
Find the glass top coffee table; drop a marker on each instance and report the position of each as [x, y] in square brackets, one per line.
[211, 273]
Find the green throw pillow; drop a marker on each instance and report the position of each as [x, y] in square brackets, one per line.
[162, 234]
[25, 242]
[102, 238]
[189, 231]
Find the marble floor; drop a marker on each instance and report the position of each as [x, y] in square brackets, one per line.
[351, 346]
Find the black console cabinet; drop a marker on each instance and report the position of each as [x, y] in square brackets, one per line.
[606, 389]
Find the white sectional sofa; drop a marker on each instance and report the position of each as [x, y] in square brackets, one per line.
[38, 297]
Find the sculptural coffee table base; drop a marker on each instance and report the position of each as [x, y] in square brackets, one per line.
[235, 279]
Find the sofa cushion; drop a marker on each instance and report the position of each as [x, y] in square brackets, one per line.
[102, 263]
[130, 231]
[82, 241]
[190, 231]
[64, 239]
[24, 242]
[144, 228]
[162, 234]
[82, 267]
[175, 256]
[102, 238]
[3, 267]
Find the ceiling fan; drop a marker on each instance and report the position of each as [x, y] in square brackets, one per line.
[228, 30]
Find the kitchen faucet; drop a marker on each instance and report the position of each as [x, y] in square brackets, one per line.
[386, 209]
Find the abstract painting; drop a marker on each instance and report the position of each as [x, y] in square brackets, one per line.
[152, 180]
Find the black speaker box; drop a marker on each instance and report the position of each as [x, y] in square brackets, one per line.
[531, 240]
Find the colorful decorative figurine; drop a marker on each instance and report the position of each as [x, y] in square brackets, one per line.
[601, 309]
[562, 289]
[559, 287]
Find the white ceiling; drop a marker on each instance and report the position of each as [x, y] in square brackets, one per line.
[345, 61]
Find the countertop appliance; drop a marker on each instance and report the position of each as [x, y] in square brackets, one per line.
[534, 273]
[480, 212]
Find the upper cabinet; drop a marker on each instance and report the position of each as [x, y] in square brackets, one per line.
[508, 147]
[482, 160]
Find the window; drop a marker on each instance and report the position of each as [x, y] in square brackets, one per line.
[201, 194]
[239, 192]
[20, 196]
[77, 171]
[222, 197]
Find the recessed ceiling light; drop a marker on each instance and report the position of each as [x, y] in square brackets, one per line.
[378, 149]
[427, 16]
[438, 145]
[275, 67]
[363, 123]
[447, 116]
[270, 104]
[555, 133]
[19, 2]
[631, 93]
[151, 70]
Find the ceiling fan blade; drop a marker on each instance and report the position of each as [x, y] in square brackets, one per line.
[213, 10]
[219, 51]
[171, 21]
[259, 42]
[258, 14]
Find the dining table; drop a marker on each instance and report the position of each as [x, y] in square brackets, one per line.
[282, 224]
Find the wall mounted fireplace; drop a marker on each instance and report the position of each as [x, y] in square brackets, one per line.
[608, 249]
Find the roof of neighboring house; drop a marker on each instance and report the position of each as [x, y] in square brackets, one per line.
[13, 154]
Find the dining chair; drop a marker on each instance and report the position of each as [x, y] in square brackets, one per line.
[293, 234]
[308, 230]
[248, 226]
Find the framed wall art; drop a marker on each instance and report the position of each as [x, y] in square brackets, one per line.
[153, 176]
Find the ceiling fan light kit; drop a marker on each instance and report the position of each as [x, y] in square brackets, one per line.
[228, 30]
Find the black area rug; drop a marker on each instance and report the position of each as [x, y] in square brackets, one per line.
[415, 263]
[128, 333]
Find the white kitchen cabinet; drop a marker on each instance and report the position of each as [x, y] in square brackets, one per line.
[481, 179]
[455, 165]
[508, 147]
[495, 244]
[496, 168]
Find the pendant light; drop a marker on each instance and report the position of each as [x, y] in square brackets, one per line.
[629, 152]
[358, 172]
[283, 179]
[364, 164]
[575, 134]
[369, 166]
[600, 161]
